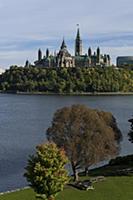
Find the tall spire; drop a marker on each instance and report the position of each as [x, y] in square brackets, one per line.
[78, 32]
[78, 43]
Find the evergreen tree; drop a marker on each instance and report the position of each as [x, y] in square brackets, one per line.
[45, 171]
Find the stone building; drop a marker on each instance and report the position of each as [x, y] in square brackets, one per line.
[124, 62]
[64, 59]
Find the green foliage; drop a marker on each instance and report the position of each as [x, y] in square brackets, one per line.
[46, 172]
[125, 160]
[66, 80]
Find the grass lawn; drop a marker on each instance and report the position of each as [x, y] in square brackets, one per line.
[113, 188]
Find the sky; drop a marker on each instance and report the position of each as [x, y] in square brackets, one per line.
[27, 25]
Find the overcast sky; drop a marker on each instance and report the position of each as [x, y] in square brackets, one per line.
[27, 25]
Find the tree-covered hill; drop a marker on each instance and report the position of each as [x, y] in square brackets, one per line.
[66, 80]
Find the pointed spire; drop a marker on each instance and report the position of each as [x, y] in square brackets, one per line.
[63, 45]
[89, 52]
[47, 53]
[98, 51]
[39, 54]
[78, 43]
[27, 63]
[78, 32]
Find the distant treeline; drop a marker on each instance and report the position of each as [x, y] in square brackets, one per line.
[66, 80]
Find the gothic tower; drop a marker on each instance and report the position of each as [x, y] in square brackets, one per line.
[78, 44]
[47, 53]
[89, 52]
[98, 55]
[39, 54]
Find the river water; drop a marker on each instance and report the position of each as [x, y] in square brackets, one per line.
[24, 120]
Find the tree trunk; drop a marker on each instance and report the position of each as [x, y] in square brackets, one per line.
[39, 196]
[75, 173]
[86, 171]
[51, 198]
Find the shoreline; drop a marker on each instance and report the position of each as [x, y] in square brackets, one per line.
[80, 173]
[71, 94]
[15, 190]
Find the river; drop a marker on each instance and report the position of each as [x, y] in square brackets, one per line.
[25, 118]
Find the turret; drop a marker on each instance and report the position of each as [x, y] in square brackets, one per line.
[39, 54]
[63, 45]
[89, 52]
[78, 44]
[27, 63]
[98, 55]
[98, 51]
[47, 53]
[105, 58]
[108, 56]
[108, 60]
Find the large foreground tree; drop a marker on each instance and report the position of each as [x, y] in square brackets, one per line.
[45, 171]
[88, 136]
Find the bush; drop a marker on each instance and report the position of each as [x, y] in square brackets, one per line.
[126, 160]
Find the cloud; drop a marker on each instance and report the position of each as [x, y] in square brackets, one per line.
[17, 51]
[9, 58]
[30, 24]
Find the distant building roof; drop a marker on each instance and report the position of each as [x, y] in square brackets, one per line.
[124, 60]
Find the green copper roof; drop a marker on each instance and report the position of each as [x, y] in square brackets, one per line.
[78, 34]
[63, 45]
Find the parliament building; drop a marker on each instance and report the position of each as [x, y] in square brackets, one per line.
[64, 59]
